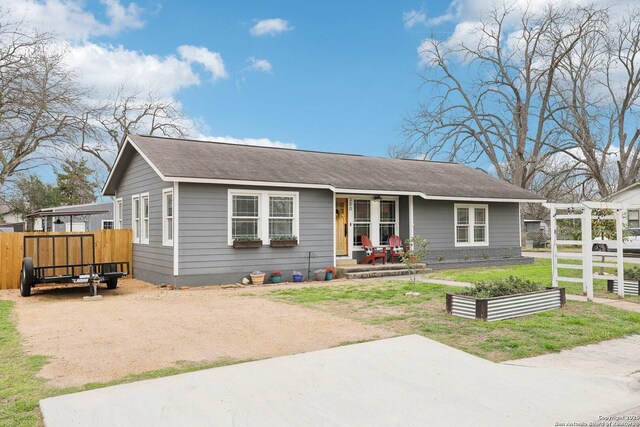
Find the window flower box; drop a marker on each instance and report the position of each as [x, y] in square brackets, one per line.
[283, 242]
[505, 307]
[246, 244]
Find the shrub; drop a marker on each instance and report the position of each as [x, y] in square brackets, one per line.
[632, 273]
[284, 237]
[501, 287]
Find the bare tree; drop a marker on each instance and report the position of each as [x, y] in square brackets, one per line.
[500, 113]
[105, 128]
[38, 96]
[597, 97]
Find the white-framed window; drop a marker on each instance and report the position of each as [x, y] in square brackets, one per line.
[167, 217]
[107, 224]
[633, 218]
[361, 220]
[388, 224]
[471, 225]
[118, 214]
[144, 205]
[135, 218]
[262, 214]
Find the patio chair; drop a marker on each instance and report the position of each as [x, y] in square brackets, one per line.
[396, 249]
[372, 252]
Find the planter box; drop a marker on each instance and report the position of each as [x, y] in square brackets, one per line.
[631, 287]
[244, 244]
[283, 243]
[505, 307]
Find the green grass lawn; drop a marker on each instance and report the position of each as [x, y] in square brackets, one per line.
[539, 271]
[385, 304]
[21, 389]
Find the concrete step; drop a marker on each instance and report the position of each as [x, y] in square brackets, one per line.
[383, 273]
[345, 262]
[368, 267]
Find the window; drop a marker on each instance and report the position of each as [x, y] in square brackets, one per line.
[167, 217]
[262, 214]
[633, 218]
[118, 214]
[135, 218]
[471, 225]
[280, 216]
[144, 235]
[245, 217]
[387, 220]
[361, 220]
[107, 224]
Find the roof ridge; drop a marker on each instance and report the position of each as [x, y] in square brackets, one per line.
[293, 149]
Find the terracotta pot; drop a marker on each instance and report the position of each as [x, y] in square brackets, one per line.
[257, 279]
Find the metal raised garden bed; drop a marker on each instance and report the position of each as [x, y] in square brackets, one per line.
[631, 287]
[505, 307]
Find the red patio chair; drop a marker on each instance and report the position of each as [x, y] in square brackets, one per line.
[372, 252]
[396, 249]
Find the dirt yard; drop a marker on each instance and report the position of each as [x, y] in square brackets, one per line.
[139, 327]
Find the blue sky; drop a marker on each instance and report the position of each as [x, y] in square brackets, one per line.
[342, 79]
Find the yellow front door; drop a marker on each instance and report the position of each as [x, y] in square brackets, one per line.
[342, 230]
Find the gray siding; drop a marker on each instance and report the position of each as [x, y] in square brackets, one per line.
[206, 258]
[434, 221]
[153, 262]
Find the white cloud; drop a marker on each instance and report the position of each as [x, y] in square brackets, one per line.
[414, 17]
[212, 61]
[261, 142]
[270, 27]
[70, 21]
[256, 64]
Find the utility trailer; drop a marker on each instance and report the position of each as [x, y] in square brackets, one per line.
[66, 259]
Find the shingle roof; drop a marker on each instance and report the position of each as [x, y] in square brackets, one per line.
[180, 158]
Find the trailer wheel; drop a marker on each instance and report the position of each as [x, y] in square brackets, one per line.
[26, 277]
[112, 283]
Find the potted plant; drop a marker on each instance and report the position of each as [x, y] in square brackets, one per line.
[244, 242]
[257, 277]
[283, 241]
[297, 276]
[320, 275]
[276, 276]
[330, 273]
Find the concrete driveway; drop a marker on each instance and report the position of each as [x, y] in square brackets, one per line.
[407, 380]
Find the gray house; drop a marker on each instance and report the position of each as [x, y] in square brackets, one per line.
[187, 202]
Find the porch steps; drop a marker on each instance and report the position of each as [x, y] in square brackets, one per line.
[346, 262]
[366, 271]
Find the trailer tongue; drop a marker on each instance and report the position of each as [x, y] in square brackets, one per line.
[66, 259]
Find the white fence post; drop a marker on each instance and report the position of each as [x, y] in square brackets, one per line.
[587, 256]
[554, 255]
[619, 253]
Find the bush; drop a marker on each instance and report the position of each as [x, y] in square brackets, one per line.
[501, 287]
[632, 273]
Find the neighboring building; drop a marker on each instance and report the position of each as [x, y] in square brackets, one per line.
[187, 201]
[86, 217]
[9, 221]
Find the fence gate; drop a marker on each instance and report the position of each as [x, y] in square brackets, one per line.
[565, 239]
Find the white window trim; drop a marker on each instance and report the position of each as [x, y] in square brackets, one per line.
[144, 237]
[134, 226]
[165, 230]
[107, 220]
[118, 210]
[263, 211]
[472, 219]
[375, 218]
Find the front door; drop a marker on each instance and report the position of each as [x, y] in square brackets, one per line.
[342, 228]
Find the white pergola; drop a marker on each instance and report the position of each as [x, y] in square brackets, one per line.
[584, 212]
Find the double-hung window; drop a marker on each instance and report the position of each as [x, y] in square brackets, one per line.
[361, 220]
[167, 217]
[262, 215]
[135, 218]
[117, 214]
[633, 218]
[245, 216]
[471, 225]
[144, 235]
[281, 216]
[388, 220]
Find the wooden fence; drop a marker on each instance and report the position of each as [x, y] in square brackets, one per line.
[109, 245]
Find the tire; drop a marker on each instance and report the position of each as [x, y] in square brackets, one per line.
[599, 247]
[112, 283]
[26, 277]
